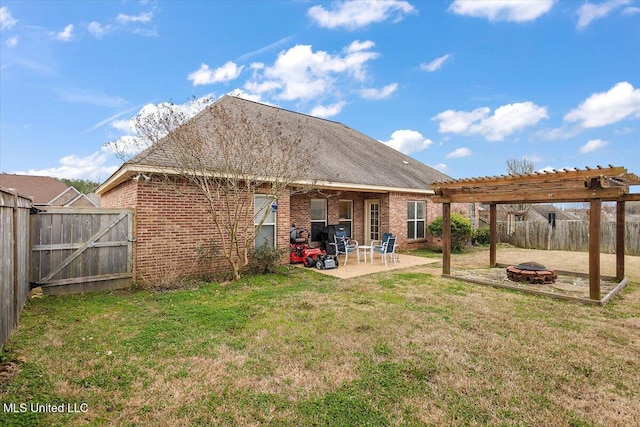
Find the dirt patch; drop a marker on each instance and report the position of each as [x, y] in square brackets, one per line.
[8, 371]
[558, 260]
[567, 285]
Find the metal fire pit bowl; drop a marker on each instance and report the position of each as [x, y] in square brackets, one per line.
[531, 272]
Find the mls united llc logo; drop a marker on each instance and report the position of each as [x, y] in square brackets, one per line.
[68, 408]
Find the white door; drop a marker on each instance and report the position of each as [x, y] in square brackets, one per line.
[371, 220]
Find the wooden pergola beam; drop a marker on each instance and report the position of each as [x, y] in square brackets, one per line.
[540, 177]
[521, 195]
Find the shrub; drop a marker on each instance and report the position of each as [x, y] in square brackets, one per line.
[460, 230]
[265, 259]
[480, 236]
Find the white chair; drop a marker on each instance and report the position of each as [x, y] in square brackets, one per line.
[345, 246]
[387, 248]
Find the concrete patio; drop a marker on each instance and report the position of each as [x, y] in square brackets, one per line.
[355, 268]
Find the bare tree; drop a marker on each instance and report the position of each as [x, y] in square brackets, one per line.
[518, 211]
[229, 154]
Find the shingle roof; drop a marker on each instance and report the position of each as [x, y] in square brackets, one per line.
[43, 189]
[344, 156]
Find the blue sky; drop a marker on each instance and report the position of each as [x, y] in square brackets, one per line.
[459, 85]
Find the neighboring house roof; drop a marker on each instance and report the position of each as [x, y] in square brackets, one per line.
[346, 159]
[544, 210]
[45, 190]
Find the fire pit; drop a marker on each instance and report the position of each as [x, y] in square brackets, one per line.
[531, 272]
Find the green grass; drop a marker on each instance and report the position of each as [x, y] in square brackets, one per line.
[398, 348]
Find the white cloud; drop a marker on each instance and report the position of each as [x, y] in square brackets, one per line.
[133, 143]
[12, 41]
[502, 10]
[505, 120]
[205, 76]
[373, 93]
[436, 63]
[325, 111]
[93, 167]
[98, 30]
[604, 108]
[239, 93]
[122, 125]
[301, 73]
[593, 145]
[143, 18]
[441, 167]
[460, 152]
[6, 20]
[358, 14]
[64, 35]
[588, 12]
[460, 121]
[631, 10]
[408, 141]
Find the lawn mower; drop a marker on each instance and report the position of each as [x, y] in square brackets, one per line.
[311, 257]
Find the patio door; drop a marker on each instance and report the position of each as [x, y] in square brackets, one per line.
[371, 220]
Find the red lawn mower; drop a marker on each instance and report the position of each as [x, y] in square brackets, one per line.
[311, 257]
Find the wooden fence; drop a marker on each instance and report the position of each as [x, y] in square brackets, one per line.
[82, 249]
[14, 259]
[568, 236]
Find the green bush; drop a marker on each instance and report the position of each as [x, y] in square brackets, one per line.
[480, 236]
[265, 259]
[460, 230]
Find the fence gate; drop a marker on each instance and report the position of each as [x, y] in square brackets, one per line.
[81, 250]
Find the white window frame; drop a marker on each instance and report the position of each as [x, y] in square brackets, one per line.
[415, 220]
[318, 221]
[350, 219]
[269, 199]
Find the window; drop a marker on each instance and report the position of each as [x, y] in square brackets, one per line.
[267, 233]
[346, 215]
[318, 218]
[416, 213]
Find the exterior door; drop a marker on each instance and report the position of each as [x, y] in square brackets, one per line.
[371, 220]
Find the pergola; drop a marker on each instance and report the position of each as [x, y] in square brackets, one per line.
[592, 185]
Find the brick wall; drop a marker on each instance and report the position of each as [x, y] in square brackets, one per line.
[173, 229]
[124, 195]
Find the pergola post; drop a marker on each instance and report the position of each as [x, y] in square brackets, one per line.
[595, 214]
[446, 238]
[620, 230]
[493, 234]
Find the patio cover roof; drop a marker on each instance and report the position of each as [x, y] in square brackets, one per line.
[566, 185]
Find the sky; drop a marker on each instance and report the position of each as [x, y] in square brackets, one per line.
[461, 85]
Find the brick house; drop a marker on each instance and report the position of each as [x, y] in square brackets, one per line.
[358, 182]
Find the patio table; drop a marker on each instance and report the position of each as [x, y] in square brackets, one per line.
[365, 249]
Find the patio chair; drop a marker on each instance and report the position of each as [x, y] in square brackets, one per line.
[387, 248]
[346, 246]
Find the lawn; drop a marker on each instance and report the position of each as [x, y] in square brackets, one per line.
[396, 348]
